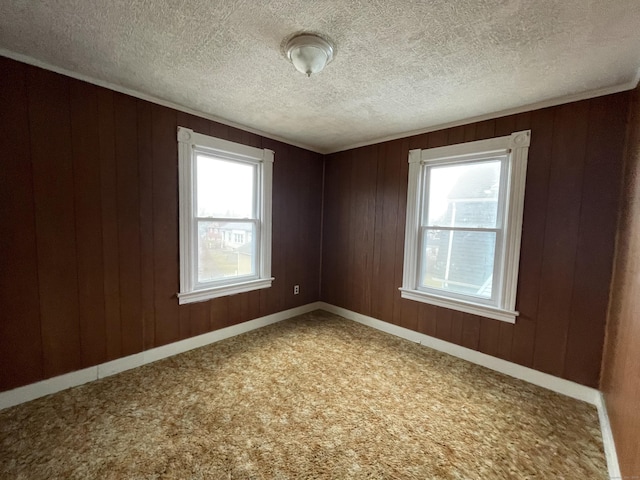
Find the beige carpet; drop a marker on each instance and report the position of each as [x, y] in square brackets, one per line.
[316, 396]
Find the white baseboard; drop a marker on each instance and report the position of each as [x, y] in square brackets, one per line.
[550, 382]
[79, 377]
[607, 440]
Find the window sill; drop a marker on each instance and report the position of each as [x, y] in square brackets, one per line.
[209, 293]
[462, 306]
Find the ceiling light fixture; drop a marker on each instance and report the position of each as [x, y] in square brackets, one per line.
[309, 53]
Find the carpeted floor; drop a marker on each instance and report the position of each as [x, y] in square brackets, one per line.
[316, 396]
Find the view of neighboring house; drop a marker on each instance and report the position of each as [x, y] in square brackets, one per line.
[462, 260]
[225, 235]
[225, 250]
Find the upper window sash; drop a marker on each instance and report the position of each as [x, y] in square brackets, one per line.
[426, 173]
[223, 155]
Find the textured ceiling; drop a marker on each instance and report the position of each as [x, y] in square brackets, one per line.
[401, 65]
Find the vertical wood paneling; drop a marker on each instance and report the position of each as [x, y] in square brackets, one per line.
[285, 215]
[361, 247]
[533, 226]
[291, 241]
[485, 129]
[398, 302]
[254, 304]
[330, 229]
[312, 209]
[535, 212]
[306, 173]
[470, 132]
[165, 224]
[242, 308]
[51, 155]
[505, 341]
[455, 135]
[489, 336]
[20, 340]
[273, 299]
[409, 314]
[427, 319]
[561, 237]
[457, 322]
[294, 181]
[338, 243]
[340, 248]
[145, 177]
[218, 313]
[387, 200]
[88, 221]
[597, 229]
[443, 323]
[219, 130]
[109, 204]
[378, 221]
[470, 331]
[505, 126]
[126, 151]
[234, 314]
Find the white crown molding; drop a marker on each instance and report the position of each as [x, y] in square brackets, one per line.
[325, 151]
[553, 102]
[149, 98]
[79, 377]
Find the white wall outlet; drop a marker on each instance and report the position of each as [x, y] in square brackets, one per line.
[296, 289]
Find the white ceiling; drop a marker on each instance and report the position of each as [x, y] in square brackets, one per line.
[401, 65]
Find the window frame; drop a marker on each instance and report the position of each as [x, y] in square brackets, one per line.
[514, 152]
[190, 144]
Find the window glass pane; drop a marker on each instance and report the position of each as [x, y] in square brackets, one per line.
[458, 261]
[225, 188]
[464, 195]
[225, 250]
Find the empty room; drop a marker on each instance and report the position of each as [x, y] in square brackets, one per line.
[329, 239]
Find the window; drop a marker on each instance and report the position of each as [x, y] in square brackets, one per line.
[464, 223]
[225, 217]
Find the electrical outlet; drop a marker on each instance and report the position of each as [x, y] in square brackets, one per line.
[296, 289]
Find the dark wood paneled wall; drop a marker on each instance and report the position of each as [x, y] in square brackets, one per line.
[572, 196]
[621, 365]
[89, 218]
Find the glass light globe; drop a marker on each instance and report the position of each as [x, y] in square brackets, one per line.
[309, 53]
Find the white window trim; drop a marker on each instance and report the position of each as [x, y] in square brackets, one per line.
[188, 142]
[516, 147]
